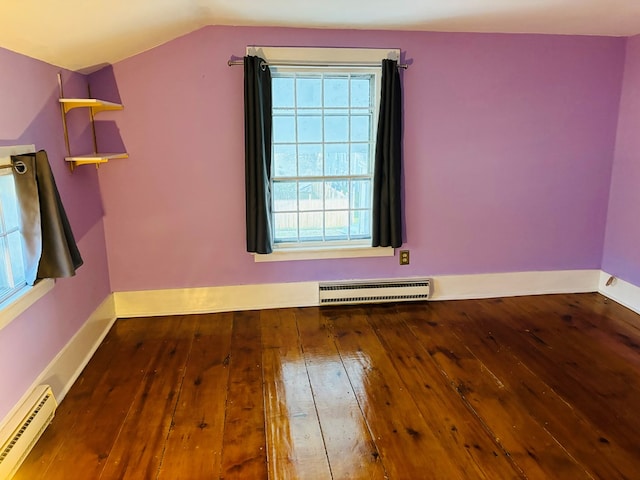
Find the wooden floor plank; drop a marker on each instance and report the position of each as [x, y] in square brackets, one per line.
[533, 450]
[475, 325]
[244, 444]
[107, 355]
[194, 445]
[350, 448]
[591, 378]
[113, 387]
[138, 449]
[466, 441]
[540, 387]
[295, 445]
[406, 444]
[610, 324]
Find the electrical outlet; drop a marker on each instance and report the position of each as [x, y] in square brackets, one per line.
[404, 257]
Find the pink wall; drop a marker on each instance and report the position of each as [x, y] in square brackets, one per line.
[622, 246]
[31, 115]
[508, 147]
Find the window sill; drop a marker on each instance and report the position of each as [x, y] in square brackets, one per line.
[324, 253]
[17, 304]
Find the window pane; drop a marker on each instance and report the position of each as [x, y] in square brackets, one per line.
[282, 91]
[336, 159]
[360, 128]
[8, 203]
[284, 129]
[17, 261]
[310, 160]
[360, 160]
[360, 194]
[336, 92]
[285, 197]
[309, 128]
[286, 226]
[336, 224]
[323, 123]
[284, 160]
[310, 196]
[336, 128]
[309, 92]
[360, 92]
[336, 195]
[360, 224]
[311, 226]
[4, 272]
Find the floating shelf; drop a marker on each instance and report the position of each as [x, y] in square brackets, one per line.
[94, 105]
[94, 158]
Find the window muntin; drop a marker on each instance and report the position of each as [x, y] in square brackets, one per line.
[323, 144]
[12, 275]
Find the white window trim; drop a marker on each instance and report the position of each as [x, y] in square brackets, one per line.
[328, 252]
[23, 299]
[351, 56]
[321, 56]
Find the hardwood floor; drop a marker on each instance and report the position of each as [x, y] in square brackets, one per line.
[531, 387]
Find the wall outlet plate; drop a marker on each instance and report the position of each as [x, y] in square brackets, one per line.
[404, 257]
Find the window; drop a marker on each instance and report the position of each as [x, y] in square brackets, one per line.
[323, 144]
[12, 275]
[325, 107]
[325, 104]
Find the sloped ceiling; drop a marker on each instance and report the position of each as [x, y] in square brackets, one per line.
[84, 34]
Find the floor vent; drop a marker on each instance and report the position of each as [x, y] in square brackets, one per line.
[24, 429]
[375, 291]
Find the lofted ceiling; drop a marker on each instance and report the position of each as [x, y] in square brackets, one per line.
[85, 34]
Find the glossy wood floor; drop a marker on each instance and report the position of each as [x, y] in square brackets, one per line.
[532, 387]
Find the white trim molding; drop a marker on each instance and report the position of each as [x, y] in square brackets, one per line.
[312, 253]
[182, 301]
[22, 300]
[280, 295]
[66, 366]
[491, 285]
[619, 291]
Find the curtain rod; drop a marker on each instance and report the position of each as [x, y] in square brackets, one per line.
[234, 63]
[9, 165]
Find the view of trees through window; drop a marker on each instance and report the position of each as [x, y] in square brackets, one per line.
[322, 155]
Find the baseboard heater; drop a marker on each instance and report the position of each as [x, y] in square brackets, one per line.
[375, 291]
[24, 429]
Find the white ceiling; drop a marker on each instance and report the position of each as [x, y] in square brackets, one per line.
[83, 34]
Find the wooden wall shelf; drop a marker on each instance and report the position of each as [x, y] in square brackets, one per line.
[94, 105]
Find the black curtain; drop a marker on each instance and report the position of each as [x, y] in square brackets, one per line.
[387, 204]
[50, 251]
[257, 139]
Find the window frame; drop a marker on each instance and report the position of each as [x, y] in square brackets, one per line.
[25, 296]
[373, 76]
[333, 59]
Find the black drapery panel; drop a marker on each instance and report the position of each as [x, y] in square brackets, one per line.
[257, 140]
[50, 249]
[387, 205]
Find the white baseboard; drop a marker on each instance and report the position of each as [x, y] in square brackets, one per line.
[182, 301]
[619, 291]
[280, 295]
[67, 365]
[491, 285]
